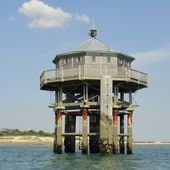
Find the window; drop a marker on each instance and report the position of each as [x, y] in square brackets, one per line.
[93, 59]
[127, 64]
[65, 60]
[120, 62]
[78, 59]
[108, 59]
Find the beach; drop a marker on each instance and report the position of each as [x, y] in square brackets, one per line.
[26, 140]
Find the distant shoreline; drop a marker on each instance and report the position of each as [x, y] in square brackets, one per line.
[26, 140]
[8, 140]
[151, 143]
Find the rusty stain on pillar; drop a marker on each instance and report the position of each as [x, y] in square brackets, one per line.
[129, 125]
[58, 130]
[84, 131]
[115, 131]
[58, 121]
[129, 132]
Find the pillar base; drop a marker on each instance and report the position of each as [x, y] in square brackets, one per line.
[84, 149]
[122, 146]
[115, 149]
[129, 149]
[105, 147]
[57, 148]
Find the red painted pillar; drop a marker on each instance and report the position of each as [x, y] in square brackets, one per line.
[84, 131]
[58, 131]
[115, 131]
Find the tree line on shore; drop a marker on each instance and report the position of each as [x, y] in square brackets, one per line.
[17, 132]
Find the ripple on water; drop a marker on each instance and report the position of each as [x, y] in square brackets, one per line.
[42, 158]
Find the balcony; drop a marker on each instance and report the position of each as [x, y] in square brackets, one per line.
[83, 72]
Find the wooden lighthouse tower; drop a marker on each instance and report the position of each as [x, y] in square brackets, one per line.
[93, 85]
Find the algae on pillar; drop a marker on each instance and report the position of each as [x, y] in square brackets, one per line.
[106, 123]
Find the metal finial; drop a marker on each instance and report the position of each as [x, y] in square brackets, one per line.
[93, 32]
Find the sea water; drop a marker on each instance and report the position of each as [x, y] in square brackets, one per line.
[41, 157]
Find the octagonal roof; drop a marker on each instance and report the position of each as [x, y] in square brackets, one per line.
[92, 45]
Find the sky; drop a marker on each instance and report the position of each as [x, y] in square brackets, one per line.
[32, 32]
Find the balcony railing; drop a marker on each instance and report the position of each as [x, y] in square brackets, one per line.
[92, 72]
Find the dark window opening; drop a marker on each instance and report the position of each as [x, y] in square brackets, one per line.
[108, 59]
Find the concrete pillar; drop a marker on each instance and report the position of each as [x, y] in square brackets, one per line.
[57, 135]
[70, 126]
[84, 131]
[58, 122]
[129, 132]
[115, 131]
[106, 122]
[121, 141]
[129, 125]
[94, 128]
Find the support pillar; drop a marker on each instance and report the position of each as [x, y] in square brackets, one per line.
[129, 126]
[57, 135]
[70, 127]
[115, 131]
[129, 132]
[106, 120]
[84, 131]
[58, 122]
[84, 119]
[115, 119]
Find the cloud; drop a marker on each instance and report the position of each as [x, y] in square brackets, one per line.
[156, 55]
[83, 18]
[43, 16]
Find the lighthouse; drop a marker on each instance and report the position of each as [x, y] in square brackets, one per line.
[94, 86]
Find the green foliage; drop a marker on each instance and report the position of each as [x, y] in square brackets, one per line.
[17, 132]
